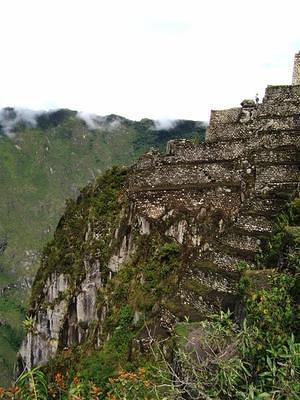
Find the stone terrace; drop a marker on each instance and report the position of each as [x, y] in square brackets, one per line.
[239, 177]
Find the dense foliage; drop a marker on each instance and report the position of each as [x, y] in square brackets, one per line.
[98, 204]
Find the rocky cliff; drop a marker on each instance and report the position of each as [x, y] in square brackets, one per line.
[166, 236]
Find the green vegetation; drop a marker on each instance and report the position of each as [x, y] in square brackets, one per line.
[286, 232]
[138, 289]
[12, 312]
[97, 205]
[151, 277]
[257, 359]
[32, 385]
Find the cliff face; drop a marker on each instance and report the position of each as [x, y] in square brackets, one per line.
[166, 236]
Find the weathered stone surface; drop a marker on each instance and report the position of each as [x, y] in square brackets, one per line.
[248, 103]
[56, 285]
[178, 231]
[296, 71]
[256, 223]
[86, 299]
[42, 341]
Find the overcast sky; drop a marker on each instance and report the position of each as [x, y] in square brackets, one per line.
[144, 58]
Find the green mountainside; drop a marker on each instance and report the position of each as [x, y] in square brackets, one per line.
[44, 161]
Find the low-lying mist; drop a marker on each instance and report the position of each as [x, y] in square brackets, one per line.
[12, 118]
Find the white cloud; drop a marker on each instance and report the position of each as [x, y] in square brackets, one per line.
[141, 58]
[165, 124]
[94, 121]
[10, 117]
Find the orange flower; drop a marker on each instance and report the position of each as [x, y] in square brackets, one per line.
[95, 391]
[75, 380]
[59, 380]
[13, 389]
[2, 392]
[111, 396]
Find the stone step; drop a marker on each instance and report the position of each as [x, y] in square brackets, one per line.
[228, 262]
[276, 176]
[253, 224]
[284, 155]
[262, 206]
[279, 190]
[240, 242]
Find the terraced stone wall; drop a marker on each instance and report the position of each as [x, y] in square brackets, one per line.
[239, 177]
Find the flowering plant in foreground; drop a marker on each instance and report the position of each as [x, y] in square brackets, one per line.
[131, 385]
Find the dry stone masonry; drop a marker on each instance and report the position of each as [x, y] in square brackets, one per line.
[296, 72]
[238, 178]
[217, 198]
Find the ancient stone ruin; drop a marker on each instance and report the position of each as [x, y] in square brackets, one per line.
[239, 177]
[296, 71]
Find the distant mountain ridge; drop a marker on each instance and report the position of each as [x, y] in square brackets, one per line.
[45, 157]
[11, 118]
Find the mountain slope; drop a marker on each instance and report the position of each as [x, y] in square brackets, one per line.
[43, 161]
[40, 167]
